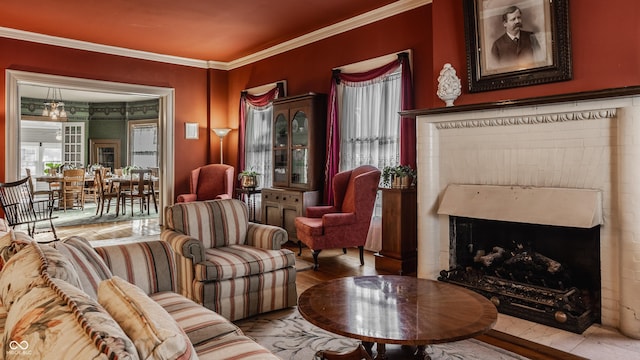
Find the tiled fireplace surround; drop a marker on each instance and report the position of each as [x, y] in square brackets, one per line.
[588, 144]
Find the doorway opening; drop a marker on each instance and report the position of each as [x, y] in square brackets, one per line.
[17, 81]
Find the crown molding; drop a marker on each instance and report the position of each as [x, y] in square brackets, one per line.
[105, 49]
[370, 17]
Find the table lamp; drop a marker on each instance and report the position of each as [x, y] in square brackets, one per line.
[221, 132]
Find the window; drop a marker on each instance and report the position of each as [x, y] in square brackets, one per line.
[255, 150]
[368, 98]
[370, 123]
[258, 148]
[143, 143]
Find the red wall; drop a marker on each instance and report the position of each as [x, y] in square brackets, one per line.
[190, 86]
[605, 42]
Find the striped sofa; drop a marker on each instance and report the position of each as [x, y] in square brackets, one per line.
[228, 264]
[67, 300]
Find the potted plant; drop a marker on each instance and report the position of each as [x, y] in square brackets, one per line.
[248, 178]
[127, 169]
[399, 176]
[51, 168]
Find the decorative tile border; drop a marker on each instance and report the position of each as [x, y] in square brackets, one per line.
[529, 119]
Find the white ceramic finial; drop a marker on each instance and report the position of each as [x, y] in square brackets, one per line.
[449, 87]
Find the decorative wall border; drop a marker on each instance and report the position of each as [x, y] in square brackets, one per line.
[529, 119]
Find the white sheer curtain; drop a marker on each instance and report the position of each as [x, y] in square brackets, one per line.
[258, 148]
[370, 123]
[370, 133]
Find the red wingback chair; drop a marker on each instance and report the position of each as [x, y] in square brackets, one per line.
[346, 223]
[210, 182]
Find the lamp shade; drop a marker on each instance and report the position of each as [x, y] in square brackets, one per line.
[221, 132]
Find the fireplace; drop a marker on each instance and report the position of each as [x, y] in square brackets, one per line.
[535, 252]
[542, 273]
[583, 145]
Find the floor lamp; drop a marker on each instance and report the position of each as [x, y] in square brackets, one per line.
[222, 132]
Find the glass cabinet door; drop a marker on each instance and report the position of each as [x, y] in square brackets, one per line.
[281, 151]
[299, 166]
[300, 129]
[299, 148]
[280, 166]
[299, 142]
[281, 133]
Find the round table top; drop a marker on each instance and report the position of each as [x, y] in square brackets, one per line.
[397, 310]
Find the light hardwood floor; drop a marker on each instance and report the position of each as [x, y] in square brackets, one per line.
[128, 229]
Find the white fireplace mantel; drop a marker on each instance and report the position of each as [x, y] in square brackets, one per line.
[582, 142]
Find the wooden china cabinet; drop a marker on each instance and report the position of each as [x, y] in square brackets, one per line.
[298, 160]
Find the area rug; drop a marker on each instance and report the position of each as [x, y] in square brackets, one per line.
[290, 337]
[75, 217]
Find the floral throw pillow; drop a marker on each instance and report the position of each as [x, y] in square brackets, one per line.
[20, 273]
[154, 332]
[48, 323]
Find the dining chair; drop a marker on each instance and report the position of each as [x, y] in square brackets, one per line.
[21, 209]
[35, 193]
[104, 191]
[73, 188]
[91, 188]
[139, 187]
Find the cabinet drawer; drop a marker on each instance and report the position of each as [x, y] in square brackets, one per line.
[291, 198]
[282, 197]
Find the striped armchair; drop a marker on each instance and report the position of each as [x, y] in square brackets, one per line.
[228, 264]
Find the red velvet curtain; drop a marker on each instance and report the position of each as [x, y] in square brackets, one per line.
[255, 100]
[407, 126]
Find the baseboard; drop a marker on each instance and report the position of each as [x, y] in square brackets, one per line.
[524, 347]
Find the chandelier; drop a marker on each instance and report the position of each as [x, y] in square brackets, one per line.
[54, 106]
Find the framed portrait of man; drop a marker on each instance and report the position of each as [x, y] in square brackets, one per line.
[516, 43]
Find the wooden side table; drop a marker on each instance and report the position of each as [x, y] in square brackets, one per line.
[399, 251]
[251, 202]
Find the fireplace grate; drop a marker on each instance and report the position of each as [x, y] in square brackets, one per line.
[564, 309]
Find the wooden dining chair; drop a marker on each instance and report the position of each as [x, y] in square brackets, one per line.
[35, 193]
[73, 188]
[104, 191]
[90, 187]
[140, 187]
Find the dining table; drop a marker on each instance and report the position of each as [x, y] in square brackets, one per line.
[58, 178]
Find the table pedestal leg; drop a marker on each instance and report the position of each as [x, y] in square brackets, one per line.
[368, 346]
[421, 353]
[382, 352]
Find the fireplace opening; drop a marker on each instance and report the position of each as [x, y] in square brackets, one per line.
[542, 273]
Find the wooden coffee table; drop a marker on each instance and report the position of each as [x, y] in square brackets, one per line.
[389, 309]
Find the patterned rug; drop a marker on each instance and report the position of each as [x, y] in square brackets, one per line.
[75, 217]
[291, 337]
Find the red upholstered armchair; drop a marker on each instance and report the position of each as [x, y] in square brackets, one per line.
[346, 223]
[210, 182]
